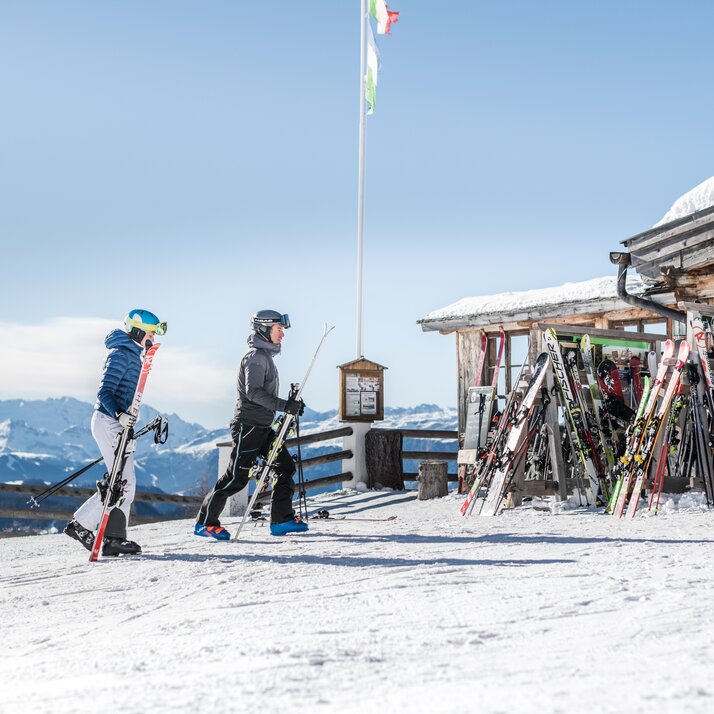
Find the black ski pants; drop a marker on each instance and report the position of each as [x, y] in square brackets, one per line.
[249, 442]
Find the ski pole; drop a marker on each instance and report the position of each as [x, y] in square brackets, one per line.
[160, 427]
[35, 501]
[302, 496]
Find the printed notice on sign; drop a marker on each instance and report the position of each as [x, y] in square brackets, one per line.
[353, 404]
[369, 402]
[352, 382]
[369, 384]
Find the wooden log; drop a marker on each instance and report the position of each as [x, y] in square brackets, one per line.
[383, 452]
[433, 480]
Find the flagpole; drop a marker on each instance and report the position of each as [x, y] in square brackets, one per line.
[360, 190]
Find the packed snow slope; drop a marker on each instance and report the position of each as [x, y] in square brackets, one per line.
[528, 612]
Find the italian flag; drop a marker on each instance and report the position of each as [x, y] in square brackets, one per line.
[383, 15]
[370, 93]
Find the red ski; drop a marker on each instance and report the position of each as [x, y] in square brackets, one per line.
[644, 457]
[122, 452]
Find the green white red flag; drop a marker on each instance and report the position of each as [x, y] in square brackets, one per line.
[370, 89]
[379, 10]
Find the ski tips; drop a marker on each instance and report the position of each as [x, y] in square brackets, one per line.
[683, 353]
[326, 330]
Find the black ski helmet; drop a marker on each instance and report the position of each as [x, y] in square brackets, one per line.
[263, 320]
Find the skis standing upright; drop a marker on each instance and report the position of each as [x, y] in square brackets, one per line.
[122, 452]
[702, 435]
[638, 430]
[644, 456]
[604, 425]
[580, 433]
[628, 433]
[485, 468]
[514, 446]
[279, 440]
[700, 335]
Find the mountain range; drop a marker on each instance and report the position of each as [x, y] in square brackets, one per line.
[43, 441]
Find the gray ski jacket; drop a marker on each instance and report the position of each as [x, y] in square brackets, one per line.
[258, 384]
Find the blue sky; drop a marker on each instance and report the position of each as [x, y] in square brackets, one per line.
[200, 160]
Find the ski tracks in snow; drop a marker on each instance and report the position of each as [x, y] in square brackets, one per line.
[430, 612]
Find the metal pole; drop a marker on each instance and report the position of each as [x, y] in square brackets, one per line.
[360, 190]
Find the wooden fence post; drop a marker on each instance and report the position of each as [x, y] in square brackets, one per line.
[433, 480]
[384, 459]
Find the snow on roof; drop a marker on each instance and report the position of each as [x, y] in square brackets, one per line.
[699, 198]
[503, 306]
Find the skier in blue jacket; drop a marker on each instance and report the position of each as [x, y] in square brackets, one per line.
[120, 376]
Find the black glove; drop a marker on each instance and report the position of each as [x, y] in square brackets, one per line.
[296, 407]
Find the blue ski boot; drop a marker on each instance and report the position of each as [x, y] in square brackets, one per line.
[217, 532]
[295, 525]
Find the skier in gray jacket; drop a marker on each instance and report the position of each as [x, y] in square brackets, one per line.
[252, 433]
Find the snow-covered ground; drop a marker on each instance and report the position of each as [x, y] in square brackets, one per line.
[527, 612]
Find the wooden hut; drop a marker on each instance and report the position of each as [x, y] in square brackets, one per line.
[588, 304]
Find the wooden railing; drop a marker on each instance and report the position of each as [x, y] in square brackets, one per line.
[176, 499]
[430, 454]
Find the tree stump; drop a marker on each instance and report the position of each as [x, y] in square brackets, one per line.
[433, 479]
[383, 452]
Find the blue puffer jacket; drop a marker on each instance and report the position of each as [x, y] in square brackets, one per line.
[121, 373]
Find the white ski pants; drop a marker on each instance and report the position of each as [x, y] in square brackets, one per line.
[105, 430]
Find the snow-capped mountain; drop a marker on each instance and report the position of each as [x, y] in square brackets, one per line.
[44, 441]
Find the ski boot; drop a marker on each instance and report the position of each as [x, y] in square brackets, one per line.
[80, 533]
[217, 532]
[294, 525]
[119, 546]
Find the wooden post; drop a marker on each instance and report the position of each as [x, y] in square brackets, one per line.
[468, 350]
[383, 449]
[433, 480]
[535, 345]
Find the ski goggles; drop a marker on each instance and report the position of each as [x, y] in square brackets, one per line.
[159, 328]
[284, 321]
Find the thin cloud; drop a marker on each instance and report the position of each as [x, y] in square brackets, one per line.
[63, 358]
